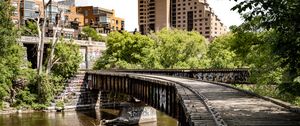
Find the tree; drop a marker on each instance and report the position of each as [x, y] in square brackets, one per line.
[179, 49]
[29, 29]
[220, 53]
[125, 50]
[283, 17]
[12, 60]
[91, 32]
[164, 49]
[67, 59]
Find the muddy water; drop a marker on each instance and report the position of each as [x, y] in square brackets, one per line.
[81, 118]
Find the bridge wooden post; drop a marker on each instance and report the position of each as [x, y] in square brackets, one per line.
[156, 96]
[168, 87]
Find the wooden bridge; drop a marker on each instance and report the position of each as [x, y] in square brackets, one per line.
[197, 103]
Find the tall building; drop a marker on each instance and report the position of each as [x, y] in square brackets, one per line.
[153, 15]
[182, 14]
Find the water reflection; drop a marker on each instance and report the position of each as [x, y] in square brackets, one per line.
[80, 118]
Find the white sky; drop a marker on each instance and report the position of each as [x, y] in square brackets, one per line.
[128, 9]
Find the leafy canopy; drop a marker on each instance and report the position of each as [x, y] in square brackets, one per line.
[164, 49]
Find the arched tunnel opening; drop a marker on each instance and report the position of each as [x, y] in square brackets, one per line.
[31, 53]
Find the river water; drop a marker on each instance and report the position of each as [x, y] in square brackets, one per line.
[72, 118]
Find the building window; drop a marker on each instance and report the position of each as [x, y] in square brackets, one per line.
[86, 12]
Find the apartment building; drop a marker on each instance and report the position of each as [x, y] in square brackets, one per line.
[182, 14]
[117, 23]
[103, 20]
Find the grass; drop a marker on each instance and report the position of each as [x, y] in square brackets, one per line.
[271, 91]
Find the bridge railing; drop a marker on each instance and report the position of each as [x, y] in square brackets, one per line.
[231, 76]
[162, 95]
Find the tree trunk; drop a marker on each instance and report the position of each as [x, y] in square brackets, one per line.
[39, 42]
[53, 44]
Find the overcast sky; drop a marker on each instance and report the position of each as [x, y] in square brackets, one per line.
[128, 9]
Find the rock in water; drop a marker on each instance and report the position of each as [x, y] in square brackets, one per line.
[135, 115]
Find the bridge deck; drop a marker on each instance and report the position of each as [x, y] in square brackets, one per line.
[235, 107]
[195, 102]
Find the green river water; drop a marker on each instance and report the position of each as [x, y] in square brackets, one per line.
[72, 118]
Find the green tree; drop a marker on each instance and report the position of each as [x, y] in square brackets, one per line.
[125, 50]
[254, 50]
[179, 49]
[220, 53]
[29, 29]
[164, 49]
[67, 59]
[91, 32]
[12, 60]
[283, 17]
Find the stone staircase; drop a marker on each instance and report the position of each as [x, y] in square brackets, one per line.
[76, 96]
